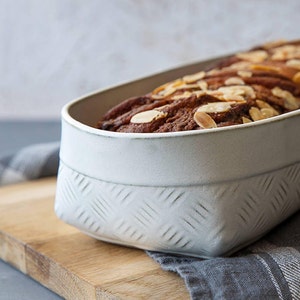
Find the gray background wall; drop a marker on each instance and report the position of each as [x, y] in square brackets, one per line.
[52, 51]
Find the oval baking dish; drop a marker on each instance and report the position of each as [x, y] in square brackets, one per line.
[202, 193]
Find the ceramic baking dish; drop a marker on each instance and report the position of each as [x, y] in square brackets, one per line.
[202, 193]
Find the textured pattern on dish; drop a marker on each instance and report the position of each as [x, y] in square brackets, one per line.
[204, 220]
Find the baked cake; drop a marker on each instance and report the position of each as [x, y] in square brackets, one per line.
[246, 87]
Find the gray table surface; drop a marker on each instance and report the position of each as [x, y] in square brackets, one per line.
[13, 135]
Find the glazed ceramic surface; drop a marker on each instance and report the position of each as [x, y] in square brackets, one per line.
[200, 193]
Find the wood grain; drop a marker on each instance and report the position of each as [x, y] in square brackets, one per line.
[74, 265]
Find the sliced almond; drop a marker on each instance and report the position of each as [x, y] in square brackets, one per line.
[286, 52]
[169, 92]
[266, 68]
[290, 101]
[172, 88]
[161, 90]
[234, 81]
[274, 44]
[237, 92]
[198, 93]
[193, 77]
[293, 63]
[215, 107]
[264, 105]
[202, 85]
[161, 108]
[241, 65]
[255, 114]
[187, 86]
[147, 116]
[157, 96]
[247, 90]
[268, 112]
[176, 83]
[224, 96]
[296, 78]
[213, 72]
[244, 73]
[253, 56]
[204, 120]
[186, 94]
[275, 112]
[246, 120]
[278, 92]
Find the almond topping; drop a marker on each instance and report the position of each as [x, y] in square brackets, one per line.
[214, 107]
[198, 93]
[253, 56]
[161, 108]
[290, 101]
[264, 105]
[161, 90]
[202, 85]
[268, 112]
[176, 83]
[244, 73]
[147, 116]
[236, 93]
[158, 96]
[213, 72]
[265, 68]
[246, 120]
[168, 92]
[241, 65]
[187, 86]
[234, 81]
[186, 94]
[278, 92]
[286, 52]
[204, 120]
[255, 114]
[226, 96]
[274, 44]
[296, 78]
[293, 63]
[171, 88]
[194, 77]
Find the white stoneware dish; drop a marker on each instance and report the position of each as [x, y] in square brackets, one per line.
[201, 193]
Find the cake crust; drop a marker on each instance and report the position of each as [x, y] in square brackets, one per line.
[246, 87]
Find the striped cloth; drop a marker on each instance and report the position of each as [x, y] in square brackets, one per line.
[268, 269]
[32, 162]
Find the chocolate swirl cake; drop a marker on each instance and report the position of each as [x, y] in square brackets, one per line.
[246, 87]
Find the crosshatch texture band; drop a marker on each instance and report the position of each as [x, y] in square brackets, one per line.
[204, 220]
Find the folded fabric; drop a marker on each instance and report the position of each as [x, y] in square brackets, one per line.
[31, 162]
[267, 269]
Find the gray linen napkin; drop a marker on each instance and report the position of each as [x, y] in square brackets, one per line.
[267, 269]
[31, 162]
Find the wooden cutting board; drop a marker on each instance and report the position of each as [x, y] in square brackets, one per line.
[68, 262]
